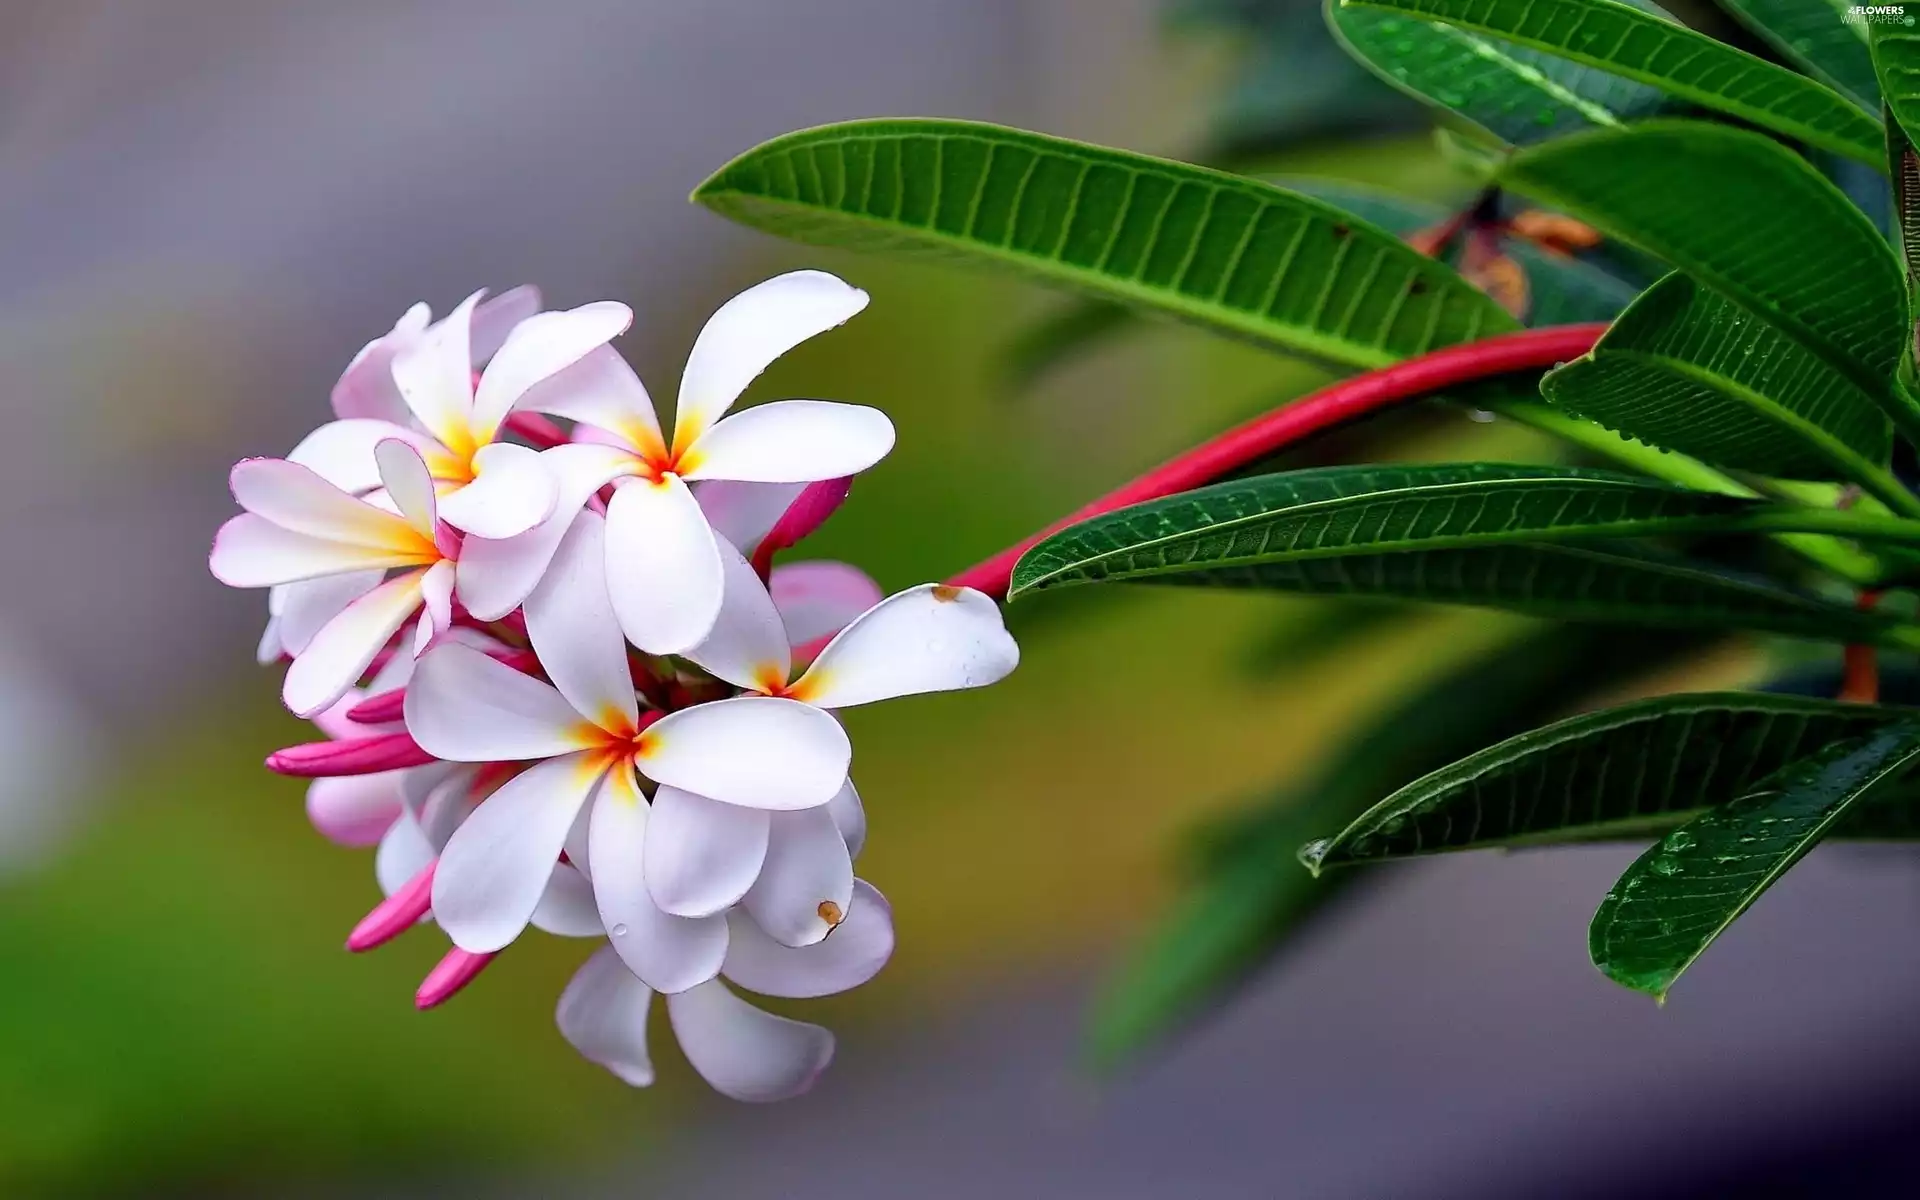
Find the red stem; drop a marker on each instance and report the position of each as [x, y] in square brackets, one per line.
[1336, 404]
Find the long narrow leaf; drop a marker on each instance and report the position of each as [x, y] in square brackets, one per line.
[1818, 36]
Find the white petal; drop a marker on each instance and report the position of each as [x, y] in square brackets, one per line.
[571, 624]
[752, 750]
[669, 953]
[494, 319]
[404, 852]
[932, 638]
[340, 652]
[307, 606]
[747, 333]
[603, 1012]
[441, 796]
[604, 395]
[270, 648]
[849, 817]
[497, 864]
[566, 908]
[701, 855]
[511, 492]
[663, 566]
[743, 513]
[341, 452]
[436, 605]
[366, 387]
[744, 1052]
[819, 599]
[806, 884]
[540, 347]
[791, 441]
[404, 475]
[435, 377]
[496, 575]
[859, 947]
[294, 498]
[251, 551]
[354, 810]
[465, 707]
[747, 646]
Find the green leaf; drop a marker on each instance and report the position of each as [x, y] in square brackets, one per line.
[1688, 370]
[1818, 37]
[1515, 94]
[1621, 768]
[1231, 253]
[1895, 47]
[1680, 895]
[1669, 56]
[1744, 216]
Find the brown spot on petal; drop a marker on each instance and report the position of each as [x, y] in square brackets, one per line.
[830, 912]
[945, 594]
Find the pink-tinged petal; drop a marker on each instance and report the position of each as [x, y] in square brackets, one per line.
[496, 575]
[571, 624]
[341, 452]
[436, 605]
[663, 566]
[668, 953]
[294, 498]
[408, 484]
[806, 883]
[435, 377]
[511, 492]
[932, 638]
[464, 706]
[306, 607]
[747, 333]
[496, 866]
[495, 318]
[251, 551]
[850, 818]
[809, 511]
[354, 810]
[819, 599]
[701, 855]
[366, 388]
[450, 976]
[603, 1013]
[747, 645]
[743, 1052]
[750, 750]
[440, 803]
[859, 947]
[567, 907]
[409, 892]
[791, 441]
[743, 513]
[348, 756]
[602, 393]
[539, 348]
[345, 646]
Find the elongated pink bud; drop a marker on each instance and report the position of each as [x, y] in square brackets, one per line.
[537, 429]
[809, 510]
[396, 914]
[349, 756]
[449, 975]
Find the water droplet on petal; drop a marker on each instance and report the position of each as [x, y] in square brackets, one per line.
[619, 930]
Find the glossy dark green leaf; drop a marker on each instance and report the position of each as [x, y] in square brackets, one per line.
[1515, 94]
[1895, 48]
[1619, 769]
[1665, 54]
[1820, 38]
[1680, 895]
[1748, 218]
[1230, 253]
[1687, 369]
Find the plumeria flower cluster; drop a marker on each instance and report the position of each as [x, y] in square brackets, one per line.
[563, 683]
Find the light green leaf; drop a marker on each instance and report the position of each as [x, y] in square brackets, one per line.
[1231, 253]
[1680, 895]
[1820, 38]
[1745, 216]
[1515, 94]
[1580, 778]
[1895, 47]
[1630, 43]
[1688, 370]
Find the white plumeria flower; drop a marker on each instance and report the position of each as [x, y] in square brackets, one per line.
[727, 761]
[663, 560]
[488, 488]
[742, 1051]
[298, 527]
